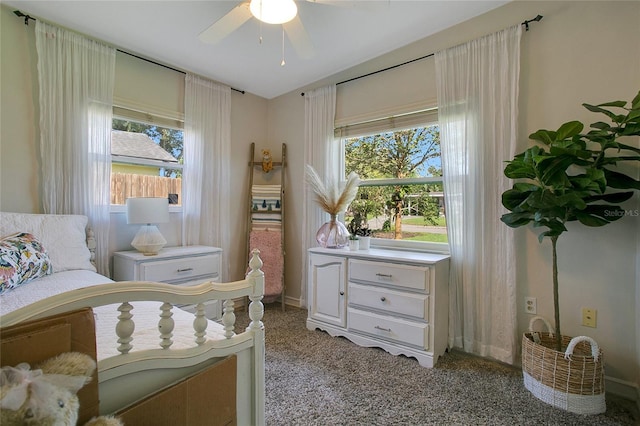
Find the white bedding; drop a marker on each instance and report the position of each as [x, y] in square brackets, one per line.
[145, 314]
[48, 286]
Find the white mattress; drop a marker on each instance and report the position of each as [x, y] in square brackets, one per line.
[145, 314]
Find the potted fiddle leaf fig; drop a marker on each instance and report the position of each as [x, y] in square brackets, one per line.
[570, 175]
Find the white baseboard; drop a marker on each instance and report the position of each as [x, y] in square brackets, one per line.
[292, 301]
[622, 388]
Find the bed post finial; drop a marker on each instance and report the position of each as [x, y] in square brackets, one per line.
[255, 263]
[256, 276]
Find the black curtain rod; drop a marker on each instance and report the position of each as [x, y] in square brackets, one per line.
[26, 22]
[538, 18]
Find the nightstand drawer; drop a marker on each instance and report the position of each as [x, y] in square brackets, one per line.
[387, 300]
[389, 274]
[389, 328]
[173, 270]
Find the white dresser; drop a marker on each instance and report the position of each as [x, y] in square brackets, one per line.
[393, 299]
[186, 265]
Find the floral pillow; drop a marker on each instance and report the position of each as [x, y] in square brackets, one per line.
[22, 259]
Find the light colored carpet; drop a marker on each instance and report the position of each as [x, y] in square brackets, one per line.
[315, 379]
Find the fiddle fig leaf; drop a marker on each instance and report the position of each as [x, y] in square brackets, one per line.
[598, 177]
[616, 118]
[519, 170]
[614, 197]
[620, 181]
[526, 187]
[513, 198]
[619, 104]
[571, 200]
[554, 169]
[570, 151]
[635, 103]
[544, 136]
[629, 148]
[633, 115]
[515, 220]
[599, 215]
[590, 220]
[569, 129]
[601, 125]
[541, 200]
[631, 129]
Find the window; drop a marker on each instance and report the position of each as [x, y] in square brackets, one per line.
[146, 161]
[401, 195]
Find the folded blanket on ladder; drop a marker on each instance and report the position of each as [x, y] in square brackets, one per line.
[269, 242]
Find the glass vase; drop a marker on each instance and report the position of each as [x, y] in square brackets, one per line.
[332, 234]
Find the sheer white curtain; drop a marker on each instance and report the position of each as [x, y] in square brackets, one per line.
[207, 155]
[76, 78]
[322, 152]
[478, 112]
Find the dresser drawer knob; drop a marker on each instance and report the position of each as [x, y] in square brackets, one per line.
[382, 299]
[185, 270]
[383, 275]
[388, 330]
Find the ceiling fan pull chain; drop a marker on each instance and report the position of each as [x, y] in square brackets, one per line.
[282, 64]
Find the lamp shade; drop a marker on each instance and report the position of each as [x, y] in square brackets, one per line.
[147, 210]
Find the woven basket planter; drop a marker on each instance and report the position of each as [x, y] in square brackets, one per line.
[572, 380]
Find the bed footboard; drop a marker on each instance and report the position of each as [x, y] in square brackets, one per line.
[171, 356]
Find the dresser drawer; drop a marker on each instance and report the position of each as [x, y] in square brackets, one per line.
[389, 274]
[389, 328]
[387, 300]
[174, 270]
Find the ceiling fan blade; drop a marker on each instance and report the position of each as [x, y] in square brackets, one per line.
[299, 38]
[227, 24]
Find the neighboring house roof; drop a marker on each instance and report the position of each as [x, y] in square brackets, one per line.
[138, 145]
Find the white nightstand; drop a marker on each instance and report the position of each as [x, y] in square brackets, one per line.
[187, 265]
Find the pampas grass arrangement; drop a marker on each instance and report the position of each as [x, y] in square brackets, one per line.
[333, 198]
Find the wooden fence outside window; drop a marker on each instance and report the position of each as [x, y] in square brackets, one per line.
[127, 185]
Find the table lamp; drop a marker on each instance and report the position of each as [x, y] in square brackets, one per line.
[148, 211]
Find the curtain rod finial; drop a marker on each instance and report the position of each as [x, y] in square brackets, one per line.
[538, 18]
[22, 15]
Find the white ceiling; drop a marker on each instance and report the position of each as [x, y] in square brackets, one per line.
[343, 34]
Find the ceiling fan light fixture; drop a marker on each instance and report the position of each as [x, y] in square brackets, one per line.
[273, 11]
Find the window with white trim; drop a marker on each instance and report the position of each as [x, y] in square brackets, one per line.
[400, 201]
[146, 157]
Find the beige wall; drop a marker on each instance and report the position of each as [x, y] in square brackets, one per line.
[19, 155]
[580, 52]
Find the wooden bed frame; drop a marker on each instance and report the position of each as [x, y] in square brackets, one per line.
[133, 375]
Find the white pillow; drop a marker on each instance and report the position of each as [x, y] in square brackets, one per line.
[64, 237]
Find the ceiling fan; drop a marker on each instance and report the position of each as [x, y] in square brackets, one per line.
[284, 12]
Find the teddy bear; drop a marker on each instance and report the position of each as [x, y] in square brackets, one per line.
[47, 396]
[267, 161]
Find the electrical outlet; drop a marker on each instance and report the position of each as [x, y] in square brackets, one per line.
[531, 305]
[589, 317]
